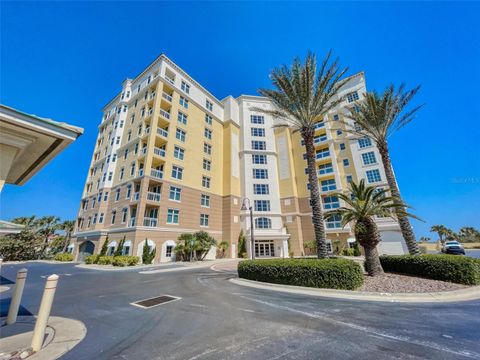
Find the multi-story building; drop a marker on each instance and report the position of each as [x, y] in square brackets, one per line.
[170, 158]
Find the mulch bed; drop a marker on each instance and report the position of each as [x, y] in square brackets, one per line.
[395, 283]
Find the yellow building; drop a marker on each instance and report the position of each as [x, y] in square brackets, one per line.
[170, 158]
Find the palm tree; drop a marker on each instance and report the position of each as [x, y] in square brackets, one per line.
[378, 116]
[441, 230]
[363, 204]
[30, 222]
[303, 95]
[47, 226]
[68, 226]
[425, 239]
[469, 234]
[223, 247]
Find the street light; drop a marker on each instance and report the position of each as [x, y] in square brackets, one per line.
[245, 208]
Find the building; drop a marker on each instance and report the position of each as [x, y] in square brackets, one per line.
[27, 143]
[171, 158]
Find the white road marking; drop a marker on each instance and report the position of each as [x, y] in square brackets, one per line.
[247, 310]
[206, 352]
[382, 334]
[198, 305]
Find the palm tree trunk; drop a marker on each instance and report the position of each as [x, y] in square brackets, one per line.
[403, 221]
[317, 214]
[372, 261]
[367, 235]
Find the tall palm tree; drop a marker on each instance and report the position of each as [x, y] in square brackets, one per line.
[441, 230]
[68, 226]
[363, 204]
[378, 116]
[47, 226]
[303, 95]
[30, 222]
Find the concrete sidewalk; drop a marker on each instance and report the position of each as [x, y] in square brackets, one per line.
[472, 293]
[61, 335]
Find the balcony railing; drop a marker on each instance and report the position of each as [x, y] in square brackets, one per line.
[322, 155]
[131, 222]
[320, 139]
[165, 114]
[150, 222]
[170, 80]
[319, 125]
[162, 132]
[146, 131]
[159, 152]
[167, 97]
[156, 173]
[144, 150]
[152, 196]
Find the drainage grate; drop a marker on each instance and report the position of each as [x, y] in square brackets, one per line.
[155, 301]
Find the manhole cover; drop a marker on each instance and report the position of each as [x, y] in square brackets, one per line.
[155, 301]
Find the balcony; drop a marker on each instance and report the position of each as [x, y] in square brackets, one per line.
[144, 151]
[131, 222]
[322, 155]
[158, 174]
[150, 222]
[146, 131]
[159, 152]
[319, 125]
[165, 114]
[167, 97]
[170, 80]
[162, 132]
[152, 196]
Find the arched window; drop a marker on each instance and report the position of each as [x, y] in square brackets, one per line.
[263, 223]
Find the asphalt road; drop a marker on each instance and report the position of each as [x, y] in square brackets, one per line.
[216, 319]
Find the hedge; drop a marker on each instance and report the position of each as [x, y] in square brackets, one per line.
[125, 260]
[104, 260]
[91, 259]
[321, 273]
[452, 268]
[63, 257]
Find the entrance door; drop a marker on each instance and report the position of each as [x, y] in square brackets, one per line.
[85, 249]
[265, 248]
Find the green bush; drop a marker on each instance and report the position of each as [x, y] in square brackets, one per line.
[321, 273]
[125, 260]
[348, 252]
[452, 268]
[91, 259]
[63, 257]
[104, 260]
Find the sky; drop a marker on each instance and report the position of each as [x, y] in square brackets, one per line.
[66, 60]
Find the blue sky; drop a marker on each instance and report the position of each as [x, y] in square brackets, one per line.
[66, 60]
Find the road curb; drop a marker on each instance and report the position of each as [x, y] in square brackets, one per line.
[472, 293]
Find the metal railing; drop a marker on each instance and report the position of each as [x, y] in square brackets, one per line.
[162, 132]
[167, 97]
[152, 196]
[165, 114]
[150, 222]
[159, 152]
[156, 173]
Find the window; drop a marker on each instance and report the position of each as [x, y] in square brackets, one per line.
[206, 182]
[364, 142]
[118, 140]
[129, 191]
[208, 119]
[100, 218]
[203, 219]
[260, 173]
[105, 196]
[257, 132]
[177, 172]
[261, 189]
[349, 178]
[178, 153]
[114, 215]
[259, 145]
[205, 200]
[121, 123]
[325, 169]
[185, 87]
[184, 102]
[89, 221]
[261, 205]
[257, 119]
[207, 148]
[209, 105]
[168, 251]
[124, 215]
[346, 162]
[323, 153]
[136, 149]
[122, 172]
[172, 216]
[125, 154]
[373, 176]
[207, 164]
[180, 135]
[114, 157]
[207, 133]
[369, 158]
[132, 169]
[104, 177]
[110, 176]
[336, 117]
[94, 201]
[342, 146]
[182, 118]
[331, 202]
[353, 96]
[263, 223]
[328, 185]
[175, 193]
[95, 218]
[334, 222]
[117, 194]
[339, 132]
[259, 159]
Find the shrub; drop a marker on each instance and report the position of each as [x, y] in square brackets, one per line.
[148, 255]
[321, 273]
[91, 259]
[348, 252]
[104, 260]
[63, 257]
[452, 268]
[125, 260]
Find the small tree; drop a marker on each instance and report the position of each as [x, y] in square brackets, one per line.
[223, 247]
[119, 250]
[204, 243]
[242, 246]
[104, 249]
[147, 254]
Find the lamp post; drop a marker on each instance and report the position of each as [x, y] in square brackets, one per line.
[245, 208]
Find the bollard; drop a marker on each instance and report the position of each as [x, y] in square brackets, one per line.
[17, 296]
[44, 312]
